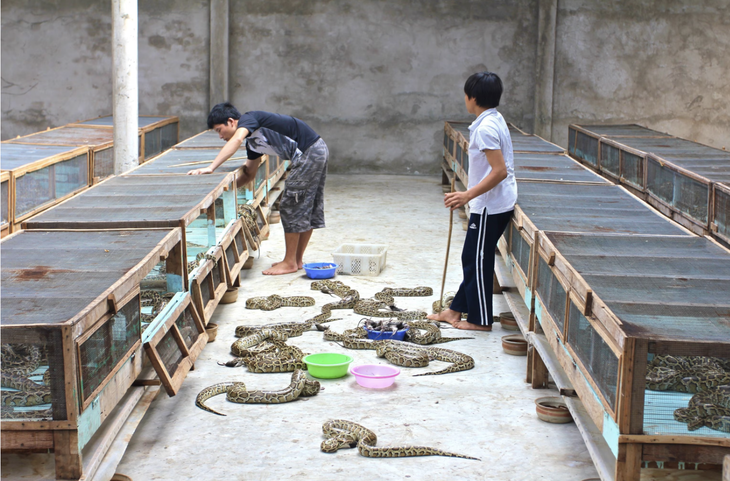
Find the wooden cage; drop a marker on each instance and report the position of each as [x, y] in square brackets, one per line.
[235, 251]
[42, 176]
[208, 283]
[659, 299]
[156, 134]
[99, 141]
[72, 329]
[181, 161]
[583, 141]
[202, 205]
[208, 139]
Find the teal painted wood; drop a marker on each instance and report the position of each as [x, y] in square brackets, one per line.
[162, 318]
[89, 421]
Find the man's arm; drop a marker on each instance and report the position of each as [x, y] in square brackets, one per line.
[455, 200]
[225, 153]
[249, 171]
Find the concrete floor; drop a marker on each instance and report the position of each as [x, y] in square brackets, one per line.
[487, 412]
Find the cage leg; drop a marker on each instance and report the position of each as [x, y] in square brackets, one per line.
[628, 462]
[528, 373]
[67, 455]
[539, 376]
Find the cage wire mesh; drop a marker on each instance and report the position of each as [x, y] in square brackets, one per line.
[169, 351]
[687, 393]
[4, 201]
[205, 289]
[586, 148]
[187, 327]
[32, 375]
[551, 293]
[721, 209]
[632, 168]
[104, 162]
[520, 250]
[594, 353]
[610, 159]
[108, 345]
[168, 136]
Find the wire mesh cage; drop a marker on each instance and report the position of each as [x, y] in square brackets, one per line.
[234, 252]
[43, 175]
[584, 141]
[208, 283]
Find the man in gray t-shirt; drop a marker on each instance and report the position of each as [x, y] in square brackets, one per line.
[302, 202]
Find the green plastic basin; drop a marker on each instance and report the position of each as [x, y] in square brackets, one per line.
[327, 365]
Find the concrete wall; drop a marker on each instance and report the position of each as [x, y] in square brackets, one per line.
[662, 64]
[377, 79]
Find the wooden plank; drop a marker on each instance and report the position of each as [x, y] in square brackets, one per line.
[26, 441]
[674, 439]
[726, 468]
[603, 458]
[539, 372]
[632, 379]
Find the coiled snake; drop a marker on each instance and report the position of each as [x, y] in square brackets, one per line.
[19, 361]
[341, 434]
[690, 374]
[236, 392]
[709, 408]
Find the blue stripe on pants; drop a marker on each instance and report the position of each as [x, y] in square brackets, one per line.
[477, 261]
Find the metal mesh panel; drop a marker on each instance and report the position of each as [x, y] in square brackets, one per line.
[722, 212]
[170, 353]
[520, 250]
[458, 153]
[451, 146]
[240, 243]
[104, 162]
[4, 201]
[33, 377]
[586, 148]
[111, 343]
[672, 381]
[632, 168]
[71, 175]
[691, 197]
[571, 140]
[230, 255]
[446, 141]
[152, 143]
[260, 176]
[465, 162]
[596, 355]
[168, 136]
[217, 274]
[188, 329]
[610, 159]
[205, 290]
[659, 181]
[33, 190]
[551, 293]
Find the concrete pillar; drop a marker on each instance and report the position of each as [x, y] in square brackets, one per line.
[218, 52]
[125, 96]
[545, 72]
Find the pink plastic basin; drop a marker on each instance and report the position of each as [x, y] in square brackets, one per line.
[374, 375]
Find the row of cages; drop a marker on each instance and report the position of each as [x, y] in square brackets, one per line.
[65, 378]
[456, 146]
[639, 323]
[42, 169]
[686, 181]
[79, 331]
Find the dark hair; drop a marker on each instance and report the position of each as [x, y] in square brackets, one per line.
[221, 113]
[485, 87]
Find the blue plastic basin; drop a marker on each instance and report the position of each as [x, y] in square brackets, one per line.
[314, 270]
[382, 336]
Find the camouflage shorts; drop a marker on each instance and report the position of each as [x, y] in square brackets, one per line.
[302, 202]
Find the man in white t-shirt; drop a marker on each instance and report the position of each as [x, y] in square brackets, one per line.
[491, 195]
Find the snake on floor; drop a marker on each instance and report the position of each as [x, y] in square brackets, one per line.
[341, 434]
[236, 392]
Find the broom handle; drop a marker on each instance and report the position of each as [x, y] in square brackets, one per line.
[448, 246]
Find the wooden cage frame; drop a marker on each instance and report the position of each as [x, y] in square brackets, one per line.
[7, 227]
[203, 278]
[235, 252]
[86, 415]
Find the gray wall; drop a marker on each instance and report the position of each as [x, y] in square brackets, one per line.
[377, 78]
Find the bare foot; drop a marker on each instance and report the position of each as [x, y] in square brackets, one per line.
[468, 326]
[280, 268]
[447, 315]
[300, 266]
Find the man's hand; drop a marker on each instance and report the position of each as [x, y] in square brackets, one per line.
[204, 170]
[454, 200]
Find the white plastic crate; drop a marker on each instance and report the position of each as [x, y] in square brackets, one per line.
[360, 259]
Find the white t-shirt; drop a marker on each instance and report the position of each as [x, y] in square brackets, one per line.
[490, 132]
